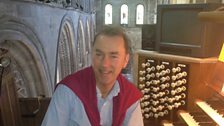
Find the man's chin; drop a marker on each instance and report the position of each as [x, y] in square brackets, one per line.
[106, 82]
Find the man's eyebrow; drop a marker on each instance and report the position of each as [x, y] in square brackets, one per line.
[98, 50]
[114, 53]
[111, 53]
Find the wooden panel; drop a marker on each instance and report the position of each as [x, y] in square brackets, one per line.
[33, 111]
[216, 80]
[198, 89]
[10, 112]
[16, 111]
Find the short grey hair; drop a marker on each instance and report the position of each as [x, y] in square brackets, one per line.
[110, 30]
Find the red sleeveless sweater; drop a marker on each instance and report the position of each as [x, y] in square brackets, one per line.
[83, 84]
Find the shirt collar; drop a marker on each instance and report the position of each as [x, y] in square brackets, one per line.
[114, 92]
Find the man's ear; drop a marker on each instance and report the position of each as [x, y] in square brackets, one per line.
[126, 60]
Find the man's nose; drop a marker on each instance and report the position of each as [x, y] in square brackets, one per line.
[106, 61]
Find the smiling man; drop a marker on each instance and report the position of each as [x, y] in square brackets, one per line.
[98, 95]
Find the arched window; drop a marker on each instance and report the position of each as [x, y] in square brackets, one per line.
[108, 14]
[181, 1]
[124, 14]
[140, 14]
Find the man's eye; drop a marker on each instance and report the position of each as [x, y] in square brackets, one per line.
[98, 54]
[114, 56]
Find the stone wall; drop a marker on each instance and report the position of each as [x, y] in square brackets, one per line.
[41, 33]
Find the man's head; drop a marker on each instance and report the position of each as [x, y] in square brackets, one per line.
[110, 54]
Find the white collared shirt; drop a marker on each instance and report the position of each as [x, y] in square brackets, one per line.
[66, 109]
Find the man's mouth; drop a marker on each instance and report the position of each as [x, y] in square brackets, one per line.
[105, 72]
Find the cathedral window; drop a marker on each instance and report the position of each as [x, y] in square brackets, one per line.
[140, 14]
[124, 14]
[108, 14]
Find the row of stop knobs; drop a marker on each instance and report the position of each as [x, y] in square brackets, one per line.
[160, 110]
[169, 100]
[158, 67]
[160, 75]
[160, 94]
[162, 85]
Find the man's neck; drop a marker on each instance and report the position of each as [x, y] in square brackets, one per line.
[105, 89]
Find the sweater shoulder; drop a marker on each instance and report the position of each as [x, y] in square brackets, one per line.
[128, 87]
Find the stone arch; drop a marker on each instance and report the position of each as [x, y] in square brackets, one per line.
[66, 49]
[88, 42]
[30, 69]
[92, 28]
[80, 47]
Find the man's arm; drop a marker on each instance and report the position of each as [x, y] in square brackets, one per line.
[59, 108]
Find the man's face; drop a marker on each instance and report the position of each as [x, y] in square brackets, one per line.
[108, 58]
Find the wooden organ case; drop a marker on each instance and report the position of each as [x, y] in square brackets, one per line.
[174, 88]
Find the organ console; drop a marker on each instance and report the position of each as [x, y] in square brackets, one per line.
[176, 91]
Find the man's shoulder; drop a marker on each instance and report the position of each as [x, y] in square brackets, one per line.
[127, 86]
[77, 76]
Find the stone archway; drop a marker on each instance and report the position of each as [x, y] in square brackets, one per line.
[30, 70]
[66, 51]
[24, 70]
